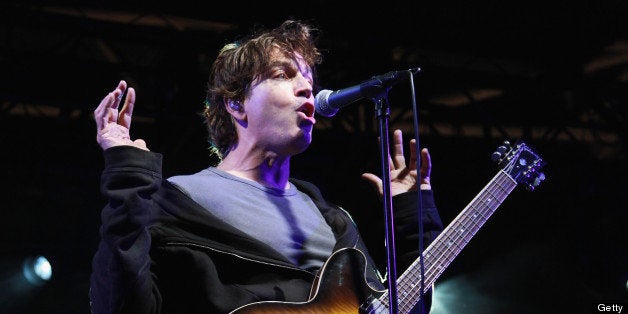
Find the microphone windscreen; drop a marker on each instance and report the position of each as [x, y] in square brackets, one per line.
[321, 103]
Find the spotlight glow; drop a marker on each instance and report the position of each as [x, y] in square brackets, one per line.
[37, 270]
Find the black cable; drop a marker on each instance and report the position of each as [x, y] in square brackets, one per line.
[417, 147]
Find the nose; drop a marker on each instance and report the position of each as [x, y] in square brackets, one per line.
[304, 86]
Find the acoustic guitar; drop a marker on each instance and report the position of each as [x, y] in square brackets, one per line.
[341, 287]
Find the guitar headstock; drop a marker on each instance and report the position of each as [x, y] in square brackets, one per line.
[521, 163]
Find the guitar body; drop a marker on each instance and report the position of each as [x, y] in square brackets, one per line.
[340, 288]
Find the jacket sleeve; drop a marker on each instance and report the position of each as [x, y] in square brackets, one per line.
[407, 225]
[121, 281]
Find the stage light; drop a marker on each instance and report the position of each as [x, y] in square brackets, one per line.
[37, 271]
[460, 294]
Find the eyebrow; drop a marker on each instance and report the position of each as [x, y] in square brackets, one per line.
[283, 62]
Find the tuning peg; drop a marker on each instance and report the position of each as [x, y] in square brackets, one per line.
[539, 179]
[501, 150]
[496, 156]
[504, 147]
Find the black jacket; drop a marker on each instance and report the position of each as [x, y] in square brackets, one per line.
[161, 252]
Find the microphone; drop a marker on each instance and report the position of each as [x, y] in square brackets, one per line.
[329, 102]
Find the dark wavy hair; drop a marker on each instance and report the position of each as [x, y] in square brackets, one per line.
[239, 64]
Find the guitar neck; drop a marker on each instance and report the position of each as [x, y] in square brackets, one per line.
[444, 249]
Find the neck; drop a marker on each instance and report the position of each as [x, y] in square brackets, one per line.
[265, 167]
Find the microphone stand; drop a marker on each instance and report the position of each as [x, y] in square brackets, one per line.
[382, 110]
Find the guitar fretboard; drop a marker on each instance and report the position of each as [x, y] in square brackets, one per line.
[451, 241]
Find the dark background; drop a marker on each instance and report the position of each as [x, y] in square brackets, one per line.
[552, 73]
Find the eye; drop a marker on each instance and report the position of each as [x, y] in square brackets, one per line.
[284, 74]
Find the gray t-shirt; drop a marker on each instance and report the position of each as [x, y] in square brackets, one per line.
[287, 220]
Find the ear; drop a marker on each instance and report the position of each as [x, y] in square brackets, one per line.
[235, 108]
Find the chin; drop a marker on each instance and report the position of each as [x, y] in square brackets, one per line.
[303, 143]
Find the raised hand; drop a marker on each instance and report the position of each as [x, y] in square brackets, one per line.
[403, 177]
[112, 127]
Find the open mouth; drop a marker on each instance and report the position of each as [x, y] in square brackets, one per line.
[308, 110]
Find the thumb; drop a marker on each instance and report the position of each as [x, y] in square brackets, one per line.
[140, 143]
[375, 182]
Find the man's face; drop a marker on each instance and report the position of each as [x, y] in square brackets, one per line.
[280, 107]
